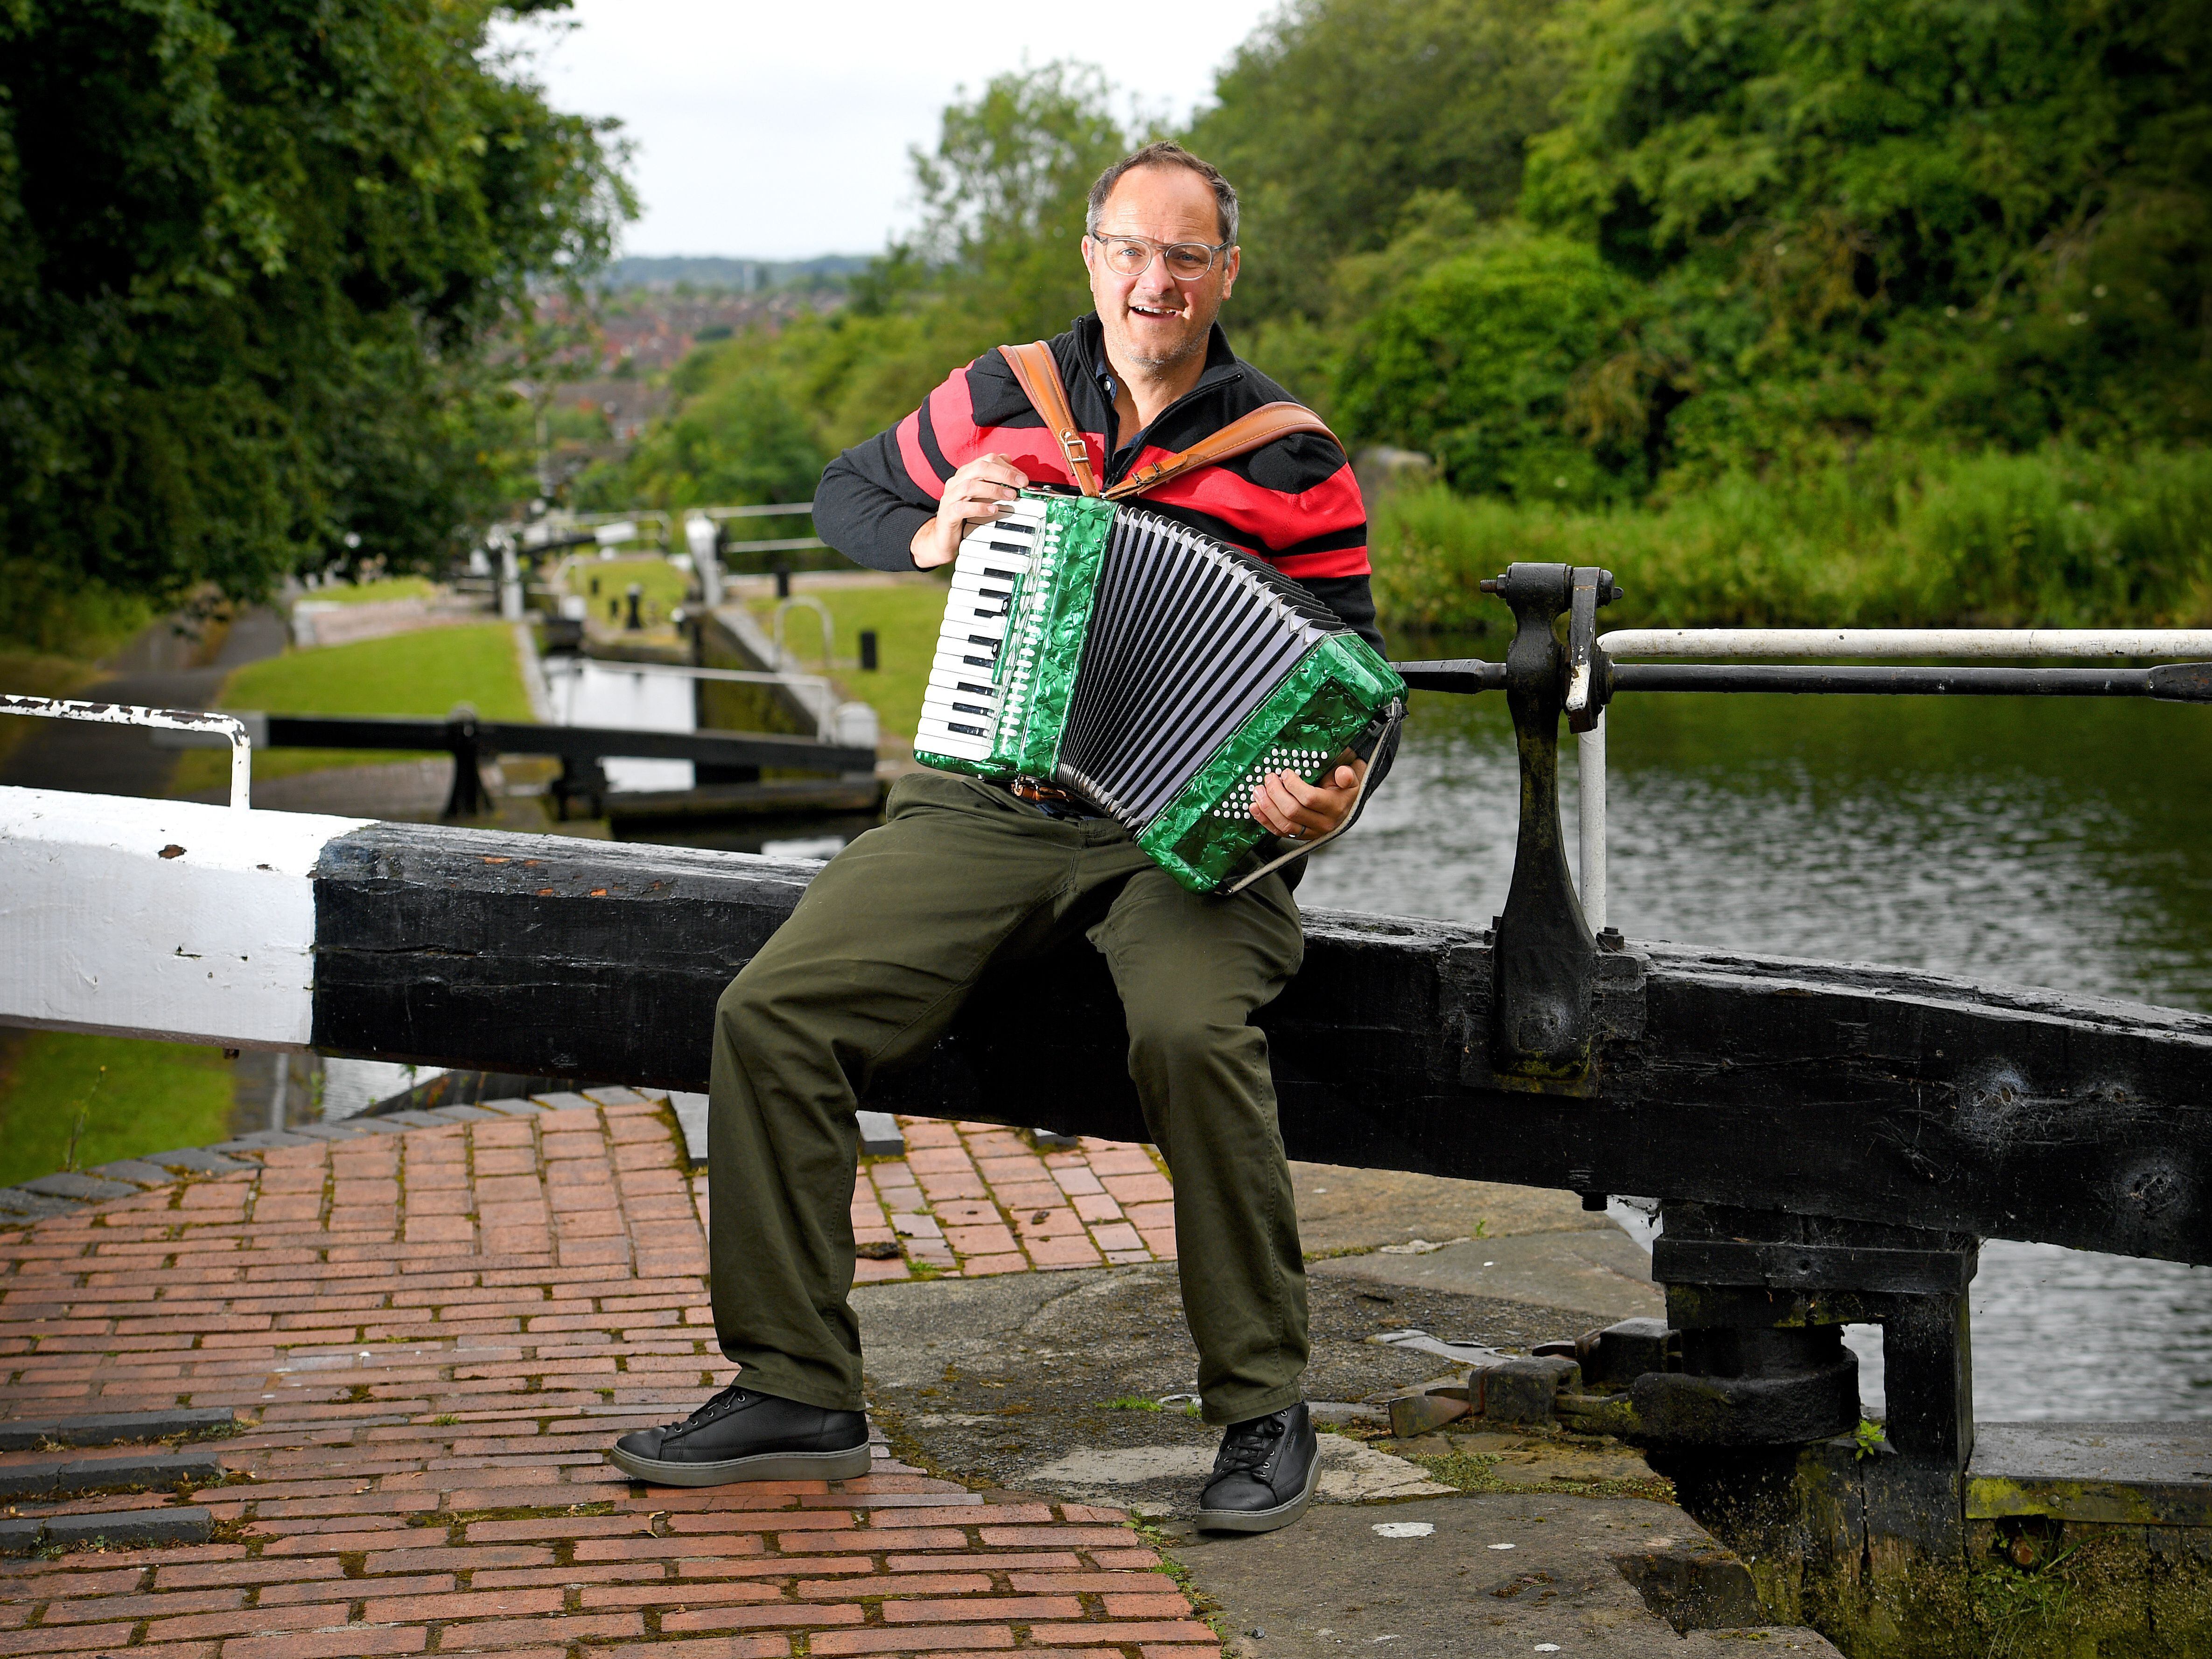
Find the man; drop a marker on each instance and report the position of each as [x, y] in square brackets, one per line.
[964, 876]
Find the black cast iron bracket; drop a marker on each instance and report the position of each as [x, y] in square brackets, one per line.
[1544, 957]
[1544, 969]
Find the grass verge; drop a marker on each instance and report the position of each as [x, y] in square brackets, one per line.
[904, 616]
[422, 672]
[370, 593]
[70, 1101]
[2062, 538]
[604, 583]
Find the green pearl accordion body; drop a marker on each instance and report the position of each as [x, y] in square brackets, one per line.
[1152, 672]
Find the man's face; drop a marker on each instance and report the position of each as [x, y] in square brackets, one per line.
[1154, 320]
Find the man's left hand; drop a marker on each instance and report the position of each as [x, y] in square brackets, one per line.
[1289, 805]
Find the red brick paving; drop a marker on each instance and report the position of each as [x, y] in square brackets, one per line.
[434, 1335]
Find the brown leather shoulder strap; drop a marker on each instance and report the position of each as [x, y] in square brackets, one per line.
[1240, 437]
[1039, 379]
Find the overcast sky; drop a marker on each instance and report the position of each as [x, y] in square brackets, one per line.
[781, 132]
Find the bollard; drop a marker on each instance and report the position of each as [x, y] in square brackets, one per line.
[467, 797]
[636, 594]
[868, 649]
[783, 579]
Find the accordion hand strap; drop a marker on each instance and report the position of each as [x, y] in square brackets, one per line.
[1240, 437]
[1039, 379]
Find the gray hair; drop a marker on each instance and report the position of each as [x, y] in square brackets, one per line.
[1166, 154]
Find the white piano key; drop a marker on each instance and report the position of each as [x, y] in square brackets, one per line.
[945, 721]
[967, 710]
[959, 629]
[966, 682]
[982, 584]
[958, 745]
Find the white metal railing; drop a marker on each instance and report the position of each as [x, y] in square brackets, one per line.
[129, 714]
[1741, 643]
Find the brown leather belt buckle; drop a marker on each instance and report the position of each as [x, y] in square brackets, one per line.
[1028, 789]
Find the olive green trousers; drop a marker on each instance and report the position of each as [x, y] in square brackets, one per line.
[865, 976]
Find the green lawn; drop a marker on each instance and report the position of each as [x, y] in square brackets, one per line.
[369, 593]
[905, 618]
[423, 673]
[153, 1097]
[664, 587]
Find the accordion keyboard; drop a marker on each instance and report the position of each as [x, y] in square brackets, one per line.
[968, 694]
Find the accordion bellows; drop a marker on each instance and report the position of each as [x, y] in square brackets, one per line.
[1149, 669]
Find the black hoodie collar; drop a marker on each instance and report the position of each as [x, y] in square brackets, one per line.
[1221, 369]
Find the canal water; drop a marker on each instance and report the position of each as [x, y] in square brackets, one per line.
[2046, 842]
[589, 692]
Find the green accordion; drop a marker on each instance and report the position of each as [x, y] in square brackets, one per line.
[1152, 673]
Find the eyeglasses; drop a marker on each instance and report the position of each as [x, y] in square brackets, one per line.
[1131, 255]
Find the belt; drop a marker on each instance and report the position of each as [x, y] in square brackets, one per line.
[1049, 798]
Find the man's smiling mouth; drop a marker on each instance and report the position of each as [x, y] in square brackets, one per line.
[1156, 311]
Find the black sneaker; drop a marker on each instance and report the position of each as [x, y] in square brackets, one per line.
[740, 1435]
[1265, 1473]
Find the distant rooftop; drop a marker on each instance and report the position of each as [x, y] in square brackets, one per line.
[664, 272]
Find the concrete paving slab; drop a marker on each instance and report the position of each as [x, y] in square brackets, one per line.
[1340, 1208]
[1476, 1577]
[1055, 1383]
[1598, 1271]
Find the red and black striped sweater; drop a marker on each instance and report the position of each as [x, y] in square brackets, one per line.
[1294, 502]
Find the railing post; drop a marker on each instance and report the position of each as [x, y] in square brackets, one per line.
[466, 798]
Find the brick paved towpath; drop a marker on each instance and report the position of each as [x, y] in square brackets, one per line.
[432, 1334]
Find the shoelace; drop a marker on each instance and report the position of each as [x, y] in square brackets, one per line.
[721, 1406]
[1247, 1445]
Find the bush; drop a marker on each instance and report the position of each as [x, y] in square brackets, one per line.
[1473, 360]
[2062, 538]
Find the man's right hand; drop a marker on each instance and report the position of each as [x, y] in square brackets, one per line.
[977, 494]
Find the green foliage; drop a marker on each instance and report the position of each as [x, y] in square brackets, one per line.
[1337, 112]
[1986, 223]
[1868, 1439]
[997, 259]
[1802, 311]
[738, 439]
[255, 255]
[1473, 360]
[1004, 193]
[1129, 1402]
[2061, 538]
[44, 607]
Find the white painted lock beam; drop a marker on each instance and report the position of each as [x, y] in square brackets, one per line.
[158, 918]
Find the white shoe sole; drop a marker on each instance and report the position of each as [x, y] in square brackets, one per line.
[849, 1465]
[1264, 1520]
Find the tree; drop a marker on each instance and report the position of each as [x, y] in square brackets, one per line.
[1005, 193]
[734, 438]
[1475, 361]
[264, 266]
[1336, 112]
[1993, 222]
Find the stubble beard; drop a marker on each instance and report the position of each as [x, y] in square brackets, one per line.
[1189, 348]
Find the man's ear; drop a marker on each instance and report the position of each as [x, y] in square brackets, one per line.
[1232, 262]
